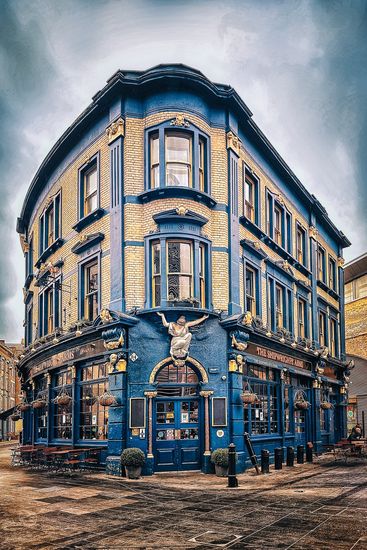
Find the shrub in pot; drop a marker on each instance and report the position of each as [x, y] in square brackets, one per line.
[220, 460]
[133, 459]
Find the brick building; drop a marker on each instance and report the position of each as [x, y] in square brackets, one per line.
[164, 197]
[9, 387]
[356, 338]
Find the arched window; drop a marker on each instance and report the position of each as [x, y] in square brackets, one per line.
[176, 381]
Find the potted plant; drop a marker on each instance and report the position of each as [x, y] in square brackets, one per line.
[326, 405]
[15, 416]
[39, 403]
[24, 405]
[220, 460]
[63, 398]
[133, 459]
[248, 397]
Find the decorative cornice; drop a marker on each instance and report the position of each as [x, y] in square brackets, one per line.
[206, 393]
[180, 214]
[86, 241]
[233, 142]
[117, 129]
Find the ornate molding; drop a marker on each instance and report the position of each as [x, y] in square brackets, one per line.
[341, 261]
[167, 360]
[233, 142]
[116, 130]
[150, 394]
[181, 210]
[206, 393]
[180, 121]
[313, 232]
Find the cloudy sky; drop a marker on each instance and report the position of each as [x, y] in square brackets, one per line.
[300, 65]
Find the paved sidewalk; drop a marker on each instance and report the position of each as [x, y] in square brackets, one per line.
[321, 506]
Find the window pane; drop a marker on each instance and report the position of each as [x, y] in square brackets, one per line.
[178, 174]
[154, 151]
[177, 149]
[91, 181]
[179, 257]
[348, 292]
[361, 287]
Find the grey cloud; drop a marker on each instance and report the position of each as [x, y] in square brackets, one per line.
[300, 65]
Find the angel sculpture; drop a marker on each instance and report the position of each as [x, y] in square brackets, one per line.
[181, 336]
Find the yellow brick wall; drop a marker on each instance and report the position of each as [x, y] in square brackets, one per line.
[356, 327]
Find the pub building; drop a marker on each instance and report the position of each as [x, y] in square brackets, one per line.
[182, 286]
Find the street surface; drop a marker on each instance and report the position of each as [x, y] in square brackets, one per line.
[321, 506]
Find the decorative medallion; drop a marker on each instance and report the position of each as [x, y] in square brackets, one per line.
[181, 211]
[180, 121]
[105, 316]
[133, 357]
[116, 130]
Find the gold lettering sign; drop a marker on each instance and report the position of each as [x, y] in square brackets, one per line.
[84, 351]
[267, 353]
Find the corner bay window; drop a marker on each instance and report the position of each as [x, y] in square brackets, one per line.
[262, 416]
[179, 271]
[183, 155]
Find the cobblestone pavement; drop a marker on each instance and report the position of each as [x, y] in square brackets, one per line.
[321, 506]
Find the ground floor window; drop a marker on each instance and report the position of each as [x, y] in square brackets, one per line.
[93, 423]
[62, 412]
[41, 414]
[261, 417]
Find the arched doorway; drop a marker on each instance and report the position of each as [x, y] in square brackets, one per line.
[177, 418]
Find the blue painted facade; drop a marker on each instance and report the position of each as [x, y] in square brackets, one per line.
[230, 351]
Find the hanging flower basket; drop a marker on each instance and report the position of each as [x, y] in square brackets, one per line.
[326, 405]
[300, 402]
[15, 416]
[24, 406]
[248, 397]
[39, 403]
[107, 399]
[63, 398]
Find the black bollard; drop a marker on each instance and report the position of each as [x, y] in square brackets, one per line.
[232, 479]
[265, 456]
[290, 456]
[300, 454]
[309, 452]
[278, 458]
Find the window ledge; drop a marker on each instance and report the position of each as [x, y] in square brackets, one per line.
[177, 192]
[49, 251]
[255, 229]
[88, 219]
[327, 289]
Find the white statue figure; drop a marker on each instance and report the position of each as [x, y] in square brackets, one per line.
[181, 336]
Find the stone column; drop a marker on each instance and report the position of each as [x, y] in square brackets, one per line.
[206, 394]
[150, 395]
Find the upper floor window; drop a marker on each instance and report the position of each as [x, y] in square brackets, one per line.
[301, 245]
[251, 290]
[321, 264]
[302, 318]
[332, 273]
[180, 281]
[50, 223]
[89, 187]
[177, 158]
[279, 306]
[250, 195]
[179, 270]
[333, 337]
[356, 289]
[89, 290]
[322, 328]
[278, 238]
[29, 258]
[49, 309]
